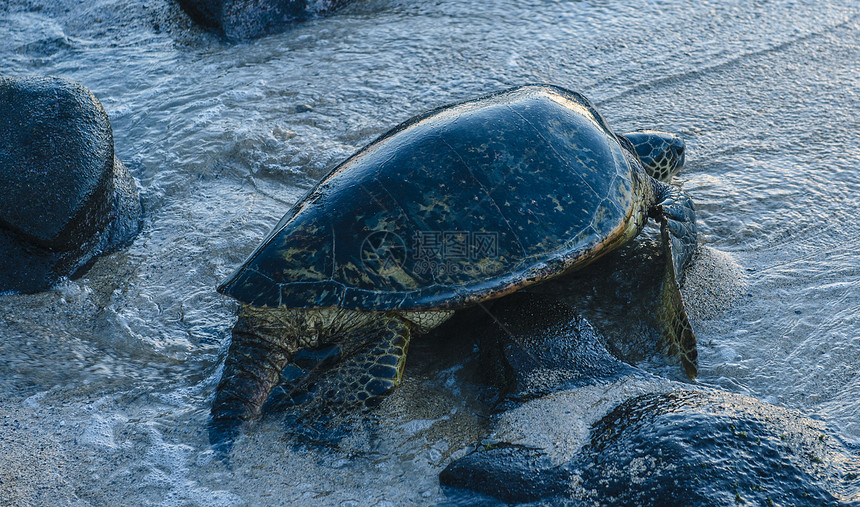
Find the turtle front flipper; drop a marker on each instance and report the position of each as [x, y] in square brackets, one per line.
[674, 211]
[376, 371]
[370, 366]
[363, 364]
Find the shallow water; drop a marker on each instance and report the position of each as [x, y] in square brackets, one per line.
[106, 380]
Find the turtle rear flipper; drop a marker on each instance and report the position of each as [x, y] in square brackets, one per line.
[674, 211]
[253, 367]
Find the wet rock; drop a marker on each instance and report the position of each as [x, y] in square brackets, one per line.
[246, 19]
[712, 448]
[549, 363]
[64, 197]
[681, 448]
[619, 295]
[538, 344]
[511, 473]
[579, 426]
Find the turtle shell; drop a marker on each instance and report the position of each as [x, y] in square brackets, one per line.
[465, 203]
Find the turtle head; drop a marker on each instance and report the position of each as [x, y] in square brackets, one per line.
[661, 153]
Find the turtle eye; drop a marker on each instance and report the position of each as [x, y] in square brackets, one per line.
[679, 158]
[678, 145]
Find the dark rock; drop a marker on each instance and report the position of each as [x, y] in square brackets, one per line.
[511, 473]
[713, 448]
[538, 344]
[64, 197]
[686, 447]
[246, 19]
[577, 426]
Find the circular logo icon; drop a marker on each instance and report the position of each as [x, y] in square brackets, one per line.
[382, 251]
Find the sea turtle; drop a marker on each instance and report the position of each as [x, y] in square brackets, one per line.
[455, 207]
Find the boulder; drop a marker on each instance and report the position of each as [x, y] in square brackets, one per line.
[686, 447]
[246, 19]
[64, 197]
[579, 427]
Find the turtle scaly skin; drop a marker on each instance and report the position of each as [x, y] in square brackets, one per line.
[661, 154]
[461, 205]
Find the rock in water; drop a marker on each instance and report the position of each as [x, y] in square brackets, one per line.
[565, 438]
[686, 447]
[64, 197]
[246, 19]
[693, 447]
